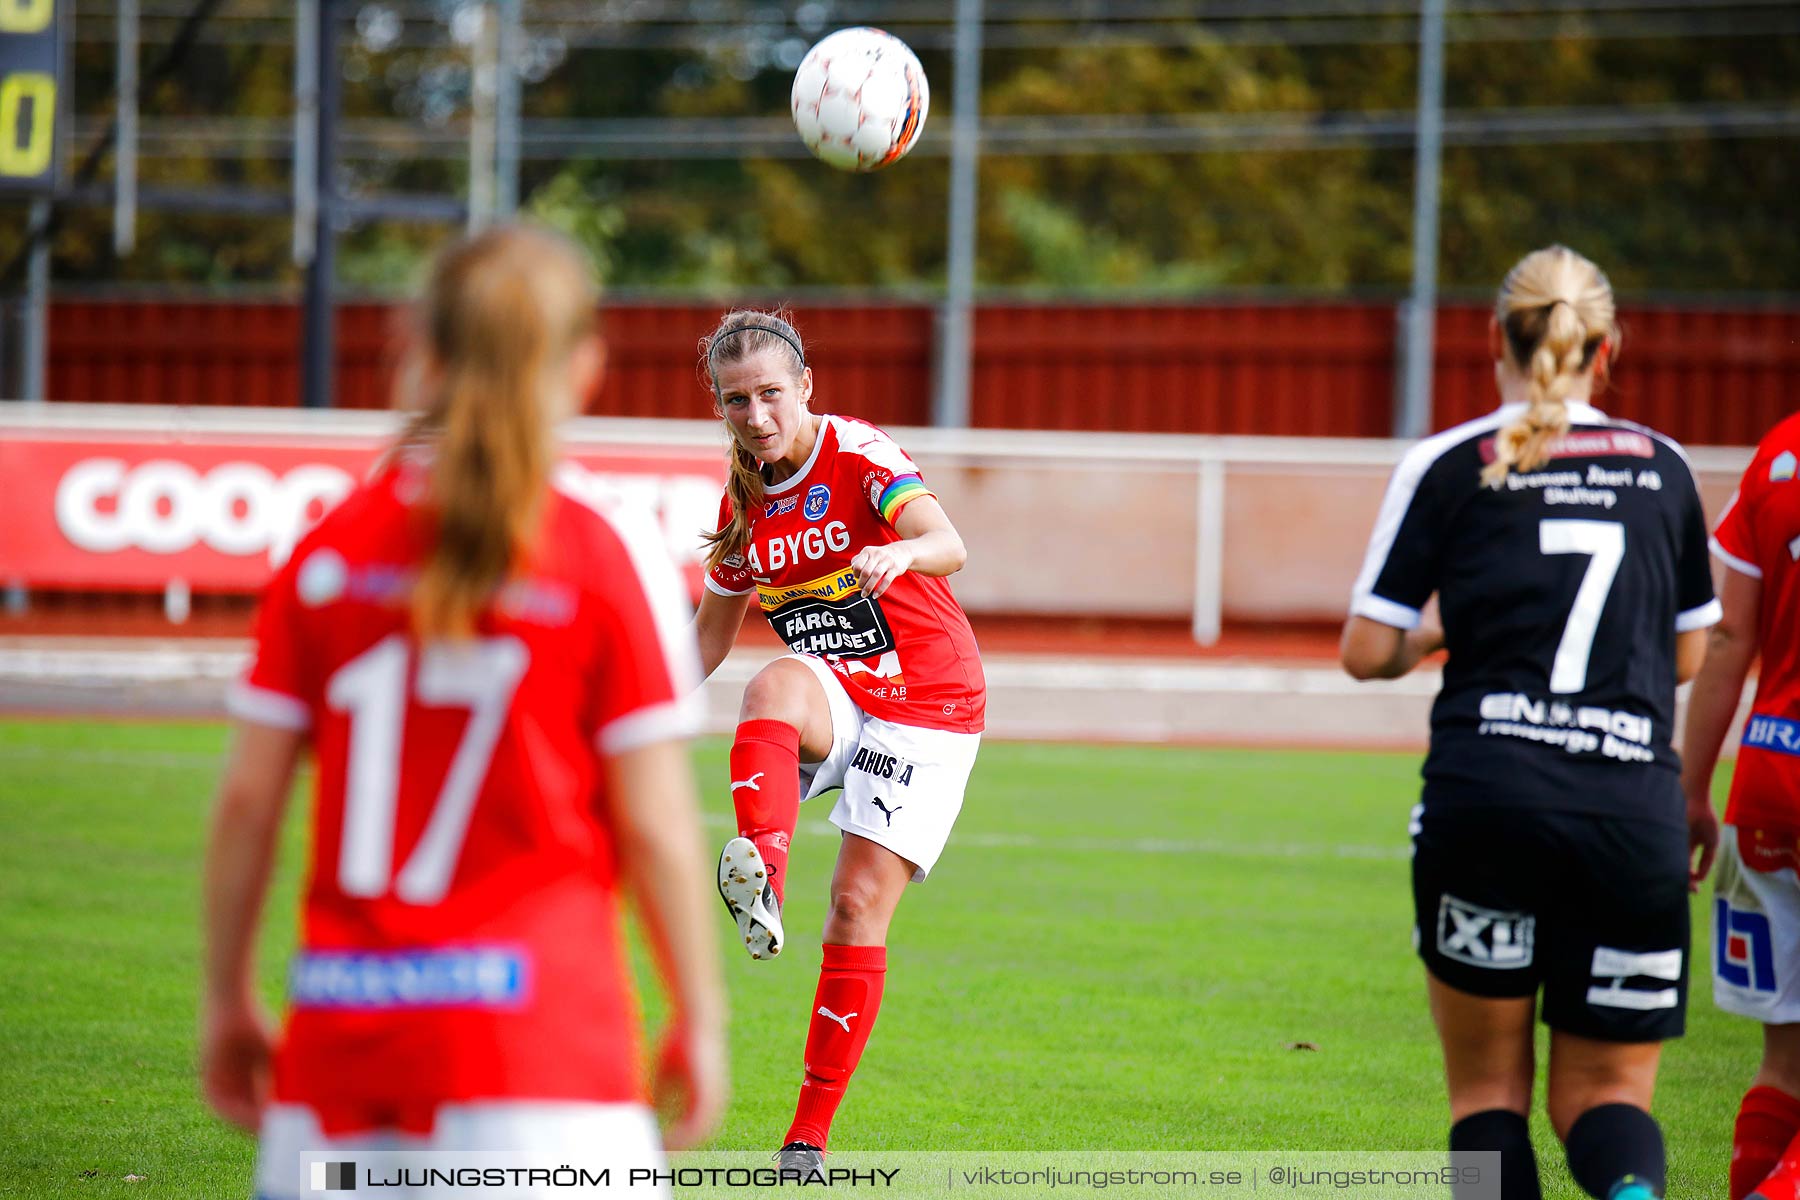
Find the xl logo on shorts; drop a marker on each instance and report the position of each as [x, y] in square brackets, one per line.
[1743, 948]
[1622, 965]
[1484, 937]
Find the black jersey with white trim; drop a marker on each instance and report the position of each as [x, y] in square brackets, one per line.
[1561, 594]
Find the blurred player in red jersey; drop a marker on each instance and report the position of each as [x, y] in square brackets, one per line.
[1756, 908]
[494, 682]
[828, 525]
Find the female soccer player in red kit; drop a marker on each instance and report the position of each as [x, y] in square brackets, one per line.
[1756, 909]
[493, 680]
[827, 523]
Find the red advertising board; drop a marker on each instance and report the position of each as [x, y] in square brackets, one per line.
[135, 511]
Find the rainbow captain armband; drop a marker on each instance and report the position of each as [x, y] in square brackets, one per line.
[903, 491]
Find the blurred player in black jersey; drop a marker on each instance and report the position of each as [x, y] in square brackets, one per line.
[1568, 554]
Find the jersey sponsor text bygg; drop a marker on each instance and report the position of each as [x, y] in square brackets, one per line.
[908, 656]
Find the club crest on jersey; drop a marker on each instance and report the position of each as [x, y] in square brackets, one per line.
[818, 499]
[882, 766]
[875, 483]
[780, 505]
[1782, 469]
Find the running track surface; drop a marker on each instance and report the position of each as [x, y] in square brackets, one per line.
[1056, 680]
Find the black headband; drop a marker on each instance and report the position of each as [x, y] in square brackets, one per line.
[784, 336]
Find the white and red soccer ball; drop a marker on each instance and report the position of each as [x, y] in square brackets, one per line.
[860, 99]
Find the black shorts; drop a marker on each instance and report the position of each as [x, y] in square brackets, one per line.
[1592, 909]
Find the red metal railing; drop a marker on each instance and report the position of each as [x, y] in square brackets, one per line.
[1316, 369]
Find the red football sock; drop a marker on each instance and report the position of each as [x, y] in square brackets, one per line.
[765, 790]
[1767, 1121]
[1783, 1183]
[844, 1010]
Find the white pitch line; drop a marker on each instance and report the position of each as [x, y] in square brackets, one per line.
[35, 665]
[1059, 674]
[166, 665]
[1156, 847]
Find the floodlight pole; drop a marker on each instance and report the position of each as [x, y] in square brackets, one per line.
[319, 341]
[34, 347]
[306, 129]
[506, 113]
[125, 151]
[955, 340]
[484, 74]
[1412, 417]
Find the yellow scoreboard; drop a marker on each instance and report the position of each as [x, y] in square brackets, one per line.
[30, 57]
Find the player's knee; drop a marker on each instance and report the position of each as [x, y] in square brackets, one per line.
[777, 693]
[855, 905]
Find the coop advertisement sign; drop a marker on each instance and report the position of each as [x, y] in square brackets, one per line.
[135, 512]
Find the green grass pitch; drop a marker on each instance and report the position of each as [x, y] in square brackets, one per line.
[1120, 950]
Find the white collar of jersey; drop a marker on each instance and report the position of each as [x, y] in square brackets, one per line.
[1579, 414]
[793, 481]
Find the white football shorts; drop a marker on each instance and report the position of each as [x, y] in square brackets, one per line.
[540, 1132]
[1756, 938]
[902, 785]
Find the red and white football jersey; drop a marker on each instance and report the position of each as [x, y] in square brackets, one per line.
[1759, 535]
[460, 935]
[908, 656]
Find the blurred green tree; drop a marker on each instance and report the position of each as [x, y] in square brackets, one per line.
[1695, 214]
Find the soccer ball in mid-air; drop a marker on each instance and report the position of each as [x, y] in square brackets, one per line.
[860, 99]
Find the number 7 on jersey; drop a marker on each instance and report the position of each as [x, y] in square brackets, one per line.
[1605, 541]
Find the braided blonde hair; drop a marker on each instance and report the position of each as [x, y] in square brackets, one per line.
[1556, 310]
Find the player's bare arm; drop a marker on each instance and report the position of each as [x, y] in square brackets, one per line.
[655, 811]
[1731, 647]
[1690, 653]
[716, 625]
[929, 545]
[1371, 650]
[236, 1035]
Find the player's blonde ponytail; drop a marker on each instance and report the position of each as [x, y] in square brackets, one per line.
[738, 335]
[501, 314]
[1556, 311]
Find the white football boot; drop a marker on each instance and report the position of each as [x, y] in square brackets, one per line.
[747, 890]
